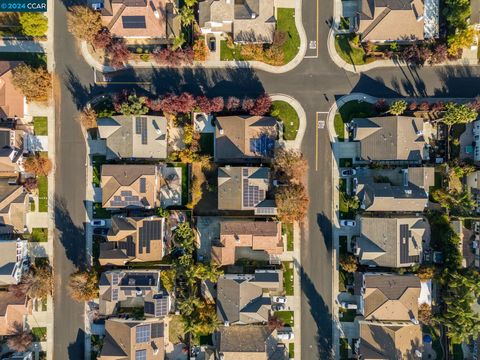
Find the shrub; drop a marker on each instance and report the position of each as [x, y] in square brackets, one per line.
[33, 23]
[118, 54]
[30, 184]
[381, 106]
[424, 106]
[200, 50]
[247, 104]
[439, 54]
[103, 39]
[356, 40]
[233, 103]
[132, 105]
[38, 165]
[412, 106]
[83, 22]
[34, 83]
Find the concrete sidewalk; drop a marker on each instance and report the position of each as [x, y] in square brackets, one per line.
[26, 46]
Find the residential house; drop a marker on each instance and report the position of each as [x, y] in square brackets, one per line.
[389, 305]
[137, 21]
[397, 190]
[473, 185]
[12, 101]
[135, 239]
[130, 186]
[11, 148]
[245, 188]
[260, 236]
[391, 241]
[132, 339]
[391, 138]
[244, 138]
[138, 137]
[133, 289]
[14, 309]
[248, 342]
[13, 260]
[388, 20]
[248, 21]
[241, 298]
[14, 204]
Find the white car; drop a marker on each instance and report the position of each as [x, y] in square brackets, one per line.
[349, 172]
[97, 223]
[347, 223]
[279, 299]
[285, 335]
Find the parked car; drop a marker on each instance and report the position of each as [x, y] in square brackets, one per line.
[285, 335]
[279, 307]
[100, 231]
[355, 184]
[279, 299]
[346, 305]
[347, 223]
[349, 172]
[97, 223]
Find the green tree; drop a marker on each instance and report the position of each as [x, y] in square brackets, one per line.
[33, 23]
[184, 237]
[187, 15]
[168, 278]
[135, 105]
[353, 202]
[190, 3]
[398, 107]
[348, 263]
[178, 41]
[458, 114]
[460, 40]
[456, 203]
[456, 13]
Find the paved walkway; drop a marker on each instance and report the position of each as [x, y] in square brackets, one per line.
[24, 46]
[218, 63]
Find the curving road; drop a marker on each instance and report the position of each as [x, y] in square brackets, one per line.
[315, 83]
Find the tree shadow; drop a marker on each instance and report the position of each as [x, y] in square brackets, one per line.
[76, 349]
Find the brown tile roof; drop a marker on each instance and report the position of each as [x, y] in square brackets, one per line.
[123, 183]
[11, 99]
[13, 309]
[234, 134]
[244, 342]
[258, 235]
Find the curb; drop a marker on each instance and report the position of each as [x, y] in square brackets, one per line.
[258, 65]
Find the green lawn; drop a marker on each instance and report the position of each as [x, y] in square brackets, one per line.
[39, 334]
[227, 54]
[287, 229]
[98, 161]
[285, 113]
[350, 110]
[286, 23]
[42, 183]
[100, 213]
[348, 52]
[286, 317]
[343, 349]
[39, 235]
[291, 351]
[206, 143]
[40, 125]
[288, 277]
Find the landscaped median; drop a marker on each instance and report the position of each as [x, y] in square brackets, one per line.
[350, 110]
[287, 115]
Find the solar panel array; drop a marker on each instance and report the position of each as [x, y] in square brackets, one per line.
[151, 230]
[141, 128]
[263, 145]
[142, 333]
[157, 330]
[135, 2]
[252, 194]
[128, 245]
[141, 355]
[161, 306]
[143, 185]
[125, 199]
[134, 22]
[114, 294]
[114, 278]
[265, 211]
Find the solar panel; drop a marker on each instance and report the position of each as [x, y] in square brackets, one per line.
[114, 294]
[135, 2]
[138, 126]
[126, 193]
[149, 308]
[157, 330]
[141, 355]
[143, 185]
[245, 172]
[142, 333]
[161, 306]
[114, 278]
[134, 22]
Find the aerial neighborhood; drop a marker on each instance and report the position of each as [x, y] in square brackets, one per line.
[240, 179]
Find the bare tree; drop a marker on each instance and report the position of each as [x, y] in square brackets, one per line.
[88, 118]
[83, 285]
[19, 339]
[38, 282]
[38, 165]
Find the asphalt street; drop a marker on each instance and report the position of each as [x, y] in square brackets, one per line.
[315, 83]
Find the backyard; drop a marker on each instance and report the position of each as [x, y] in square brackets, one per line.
[42, 183]
[175, 331]
[285, 113]
[348, 111]
[349, 51]
[287, 230]
[39, 235]
[288, 277]
[40, 125]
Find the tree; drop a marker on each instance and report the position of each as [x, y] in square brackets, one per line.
[233, 103]
[191, 3]
[398, 107]
[353, 202]
[204, 272]
[168, 278]
[88, 118]
[118, 54]
[30, 184]
[425, 314]
[274, 322]
[425, 272]
[83, 285]
[217, 104]
[460, 40]
[37, 283]
[200, 50]
[38, 164]
[187, 15]
[439, 54]
[348, 263]
[457, 114]
[196, 191]
[83, 22]
[34, 83]
[19, 339]
[381, 106]
[173, 57]
[33, 23]
[174, 104]
[292, 202]
[289, 165]
[247, 104]
[261, 105]
[178, 41]
[456, 13]
[204, 104]
[103, 39]
[456, 203]
[133, 105]
[415, 54]
[153, 104]
[184, 237]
